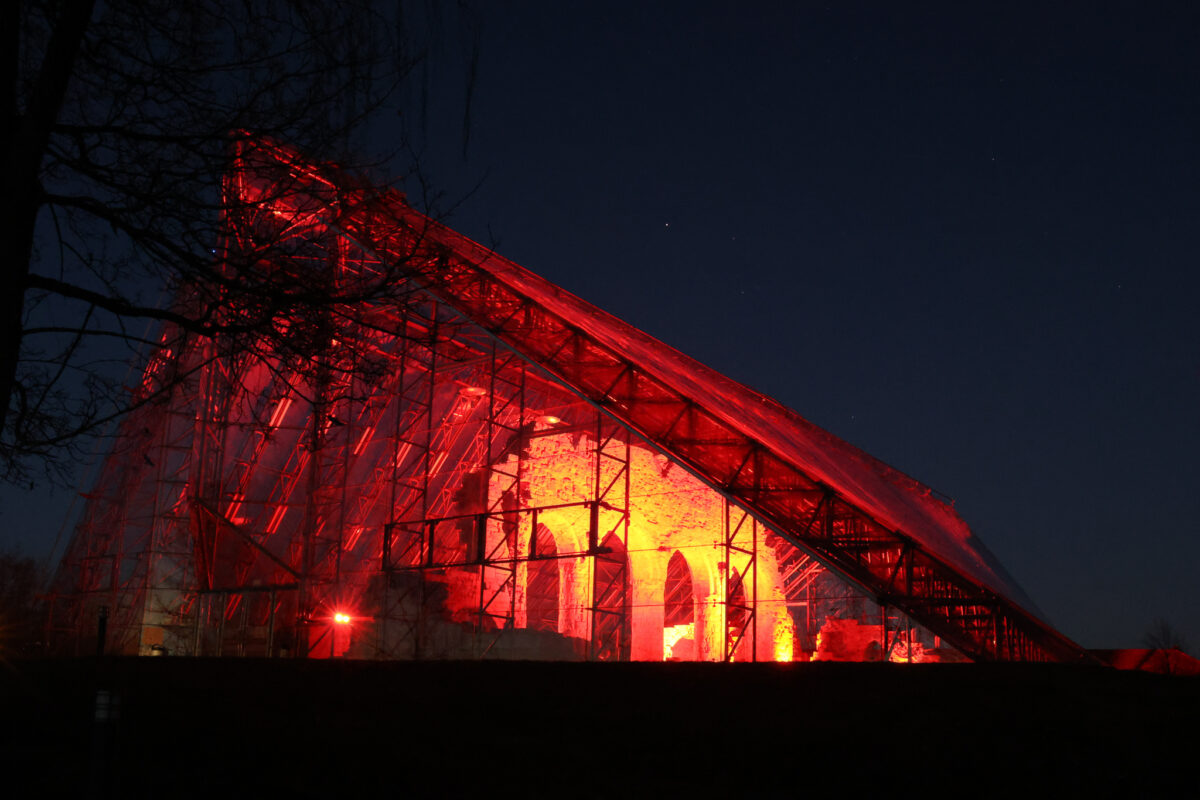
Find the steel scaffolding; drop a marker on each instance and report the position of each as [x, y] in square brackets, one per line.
[475, 464]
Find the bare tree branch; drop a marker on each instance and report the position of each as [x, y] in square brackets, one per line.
[124, 118]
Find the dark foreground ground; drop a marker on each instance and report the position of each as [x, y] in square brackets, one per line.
[337, 729]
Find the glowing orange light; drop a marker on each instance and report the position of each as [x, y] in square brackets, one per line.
[549, 419]
[672, 518]
[673, 635]
[341, 618]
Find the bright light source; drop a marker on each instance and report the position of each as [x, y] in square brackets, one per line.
[549, 419]
[341, 618]
[473, 391]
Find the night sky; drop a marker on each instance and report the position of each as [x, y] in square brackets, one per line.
[962, 238]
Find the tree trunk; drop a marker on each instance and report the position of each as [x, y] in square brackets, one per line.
[27, 134]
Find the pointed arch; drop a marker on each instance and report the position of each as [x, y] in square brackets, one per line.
[679, 611]
[610, 609]
[542, 591]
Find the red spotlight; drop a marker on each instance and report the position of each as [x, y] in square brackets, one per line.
[341, 618]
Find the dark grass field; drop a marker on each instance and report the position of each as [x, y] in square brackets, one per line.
[229, 728]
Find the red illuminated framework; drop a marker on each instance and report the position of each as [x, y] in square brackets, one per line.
[480, 465]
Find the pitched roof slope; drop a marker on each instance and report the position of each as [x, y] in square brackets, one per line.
[891, 497]
[548, 325]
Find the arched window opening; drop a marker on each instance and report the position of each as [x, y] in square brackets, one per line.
[610, 609]
[679, 611]
[541, 592]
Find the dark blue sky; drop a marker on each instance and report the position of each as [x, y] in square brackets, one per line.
[961, 237]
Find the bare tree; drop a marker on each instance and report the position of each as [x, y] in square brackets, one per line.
[123, 118]
[1162, 636]
[21, 607]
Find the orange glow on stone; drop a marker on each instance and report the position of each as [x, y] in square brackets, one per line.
[673, 635]
[671, 514]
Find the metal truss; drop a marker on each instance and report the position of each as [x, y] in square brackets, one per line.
[890, 565]
[741, 580]
[264, 494]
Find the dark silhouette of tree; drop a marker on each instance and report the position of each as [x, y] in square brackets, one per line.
[1162, 636]
[22, 612]
[123, 118]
